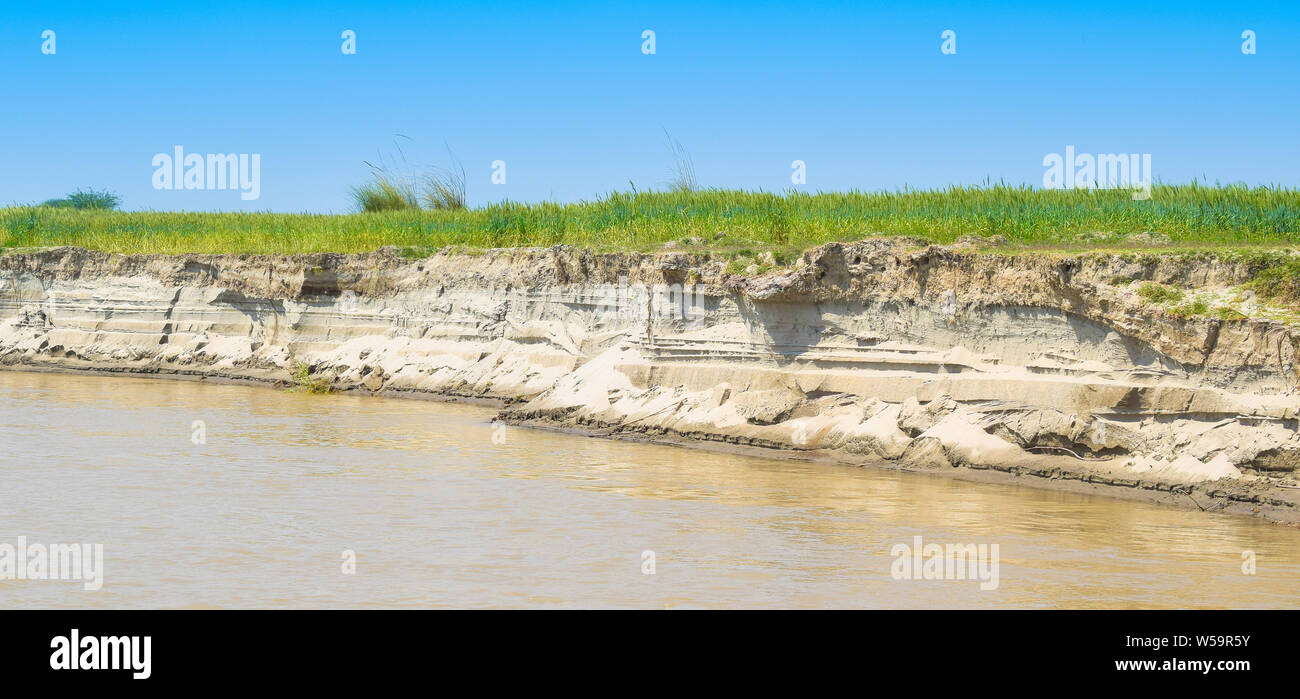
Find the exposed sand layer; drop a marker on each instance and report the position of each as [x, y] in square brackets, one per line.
[1040, 367]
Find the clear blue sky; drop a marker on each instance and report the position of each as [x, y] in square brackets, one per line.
[562, 93]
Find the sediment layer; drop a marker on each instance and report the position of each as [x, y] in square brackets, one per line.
[1046, 368]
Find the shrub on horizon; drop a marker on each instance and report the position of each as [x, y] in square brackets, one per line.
[85, 199]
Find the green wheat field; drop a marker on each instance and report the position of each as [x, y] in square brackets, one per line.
[713, 219]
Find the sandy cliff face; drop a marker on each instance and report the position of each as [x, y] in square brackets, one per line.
[1038, 366]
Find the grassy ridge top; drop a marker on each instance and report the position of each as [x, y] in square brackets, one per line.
[1183, 215]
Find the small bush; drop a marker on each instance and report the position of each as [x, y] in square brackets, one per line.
[85, 199]
[303, 382]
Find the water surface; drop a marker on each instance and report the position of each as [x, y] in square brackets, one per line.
[439, 514]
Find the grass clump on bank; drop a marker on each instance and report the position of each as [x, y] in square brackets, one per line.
[303, 382]
[1280, 282]
[1159, 293]
[1272, 289]
[1176, 215]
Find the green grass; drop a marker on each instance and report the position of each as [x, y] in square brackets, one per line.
[1225, 313]
[1183, 215]
[1197, 307]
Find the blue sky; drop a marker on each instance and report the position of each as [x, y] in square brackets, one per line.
[563, 94]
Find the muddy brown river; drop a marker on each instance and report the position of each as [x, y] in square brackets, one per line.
[206, 495]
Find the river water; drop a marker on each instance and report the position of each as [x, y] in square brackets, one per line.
[209, 495]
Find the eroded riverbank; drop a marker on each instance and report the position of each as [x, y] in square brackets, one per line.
[1044, 369]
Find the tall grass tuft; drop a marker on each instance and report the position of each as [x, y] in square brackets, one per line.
[383, 194]
[444, 188]
[682, 174]
[399, 187]
[389, 189]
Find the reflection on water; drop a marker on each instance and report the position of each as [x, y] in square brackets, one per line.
[439, 515]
